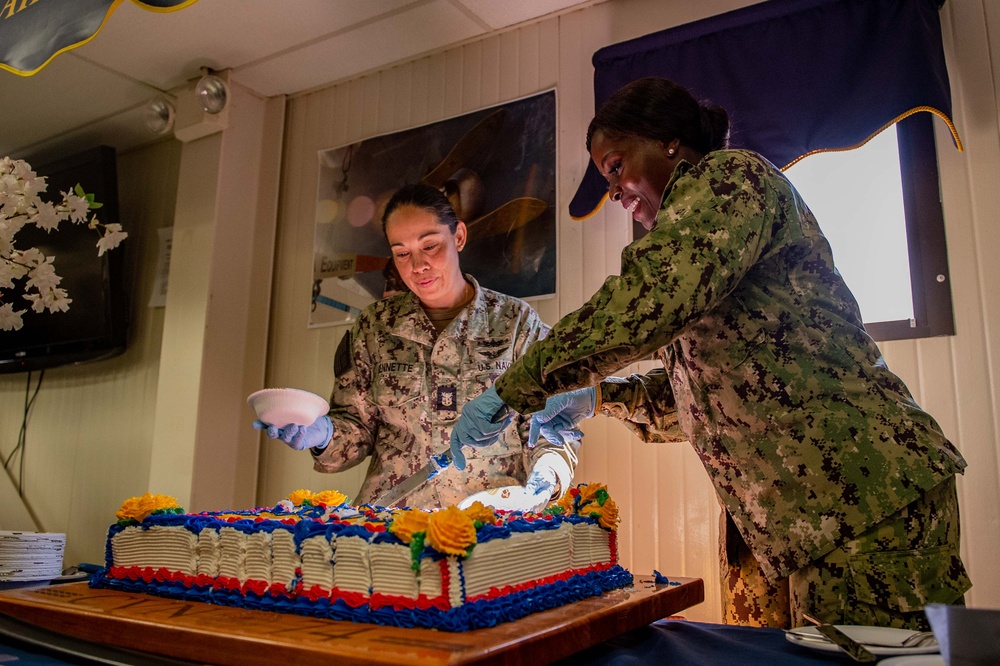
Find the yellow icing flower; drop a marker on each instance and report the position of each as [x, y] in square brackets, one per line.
[329, 498]
[406, 523]
[481, 512]
[589, 492]
[566, 502]
[137, 508]
[299, 496]
[451, 531]
[591, 499]
[607, 514]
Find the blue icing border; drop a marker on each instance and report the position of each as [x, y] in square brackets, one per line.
[476, 615]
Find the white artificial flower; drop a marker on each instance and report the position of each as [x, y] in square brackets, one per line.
[43, 277]
[30, 257]
[6, 274]
[113, 236]
[10, 319]
[58, 300]
[23, 171]
[9, 184]
[78, 206]
[9, 227]
[54, 300]
[47, 217]
[36, 302]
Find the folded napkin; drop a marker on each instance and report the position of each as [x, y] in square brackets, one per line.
[966, 636]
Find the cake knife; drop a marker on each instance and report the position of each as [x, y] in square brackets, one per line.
[407, 486]
[854, 649]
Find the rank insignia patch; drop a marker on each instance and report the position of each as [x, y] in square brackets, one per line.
[446, 398]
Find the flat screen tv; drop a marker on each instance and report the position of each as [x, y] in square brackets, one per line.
[96, 325]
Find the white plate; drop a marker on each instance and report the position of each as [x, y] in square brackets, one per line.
[283, 406]
[914, 660]
[508, 498]
[12, 584]
[34, 537]
[810, 637]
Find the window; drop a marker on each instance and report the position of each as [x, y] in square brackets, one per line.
[879, 206]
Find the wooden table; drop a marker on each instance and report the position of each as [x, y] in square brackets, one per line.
[207, 633]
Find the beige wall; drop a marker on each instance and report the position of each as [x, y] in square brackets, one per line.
[90, 432]
[669, 508]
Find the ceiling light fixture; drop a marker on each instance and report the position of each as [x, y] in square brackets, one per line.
[159, 115]
[211, 92]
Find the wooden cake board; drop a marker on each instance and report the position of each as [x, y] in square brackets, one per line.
[211, 634]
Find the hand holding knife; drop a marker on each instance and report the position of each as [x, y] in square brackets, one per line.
[415, 481]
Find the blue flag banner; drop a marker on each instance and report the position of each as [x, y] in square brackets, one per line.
[33, 32]
[796, 76]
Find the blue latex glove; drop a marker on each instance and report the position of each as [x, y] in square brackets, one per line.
[542, 480]
[557, 421]
[483, 419]
[299, 437]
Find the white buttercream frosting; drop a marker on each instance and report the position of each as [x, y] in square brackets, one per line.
[258, 558]
[171, 548]
[317, 562]
[284, 559]
[351, 567]
[521, 558]
[209, 552]
[590, 545]
[234, 553]
[430, 577]
[391, 571]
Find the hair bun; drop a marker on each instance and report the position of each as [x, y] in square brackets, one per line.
[714, 127]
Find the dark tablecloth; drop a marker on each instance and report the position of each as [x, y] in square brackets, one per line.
[673, 642]
[685, 643]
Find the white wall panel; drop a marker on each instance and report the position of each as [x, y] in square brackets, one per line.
[91, 428]
[669, 509]
[970, 199]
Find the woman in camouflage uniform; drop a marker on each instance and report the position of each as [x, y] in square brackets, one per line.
[416, 357]
[838, 490]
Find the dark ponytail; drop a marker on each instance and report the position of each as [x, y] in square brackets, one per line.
[714, 127]
[662, 110]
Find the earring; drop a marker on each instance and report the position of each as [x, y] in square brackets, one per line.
[670, 152]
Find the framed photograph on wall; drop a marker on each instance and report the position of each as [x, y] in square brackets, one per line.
[497, 166]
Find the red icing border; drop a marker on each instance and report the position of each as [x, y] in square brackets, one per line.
[496, 593]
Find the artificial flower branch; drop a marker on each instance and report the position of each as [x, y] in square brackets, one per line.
[21, 204]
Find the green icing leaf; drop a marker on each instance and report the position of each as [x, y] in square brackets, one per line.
[416, 548]
[176, 510]
[554, 511]
[602, 497]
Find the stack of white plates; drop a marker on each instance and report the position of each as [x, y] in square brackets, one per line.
[31, 556]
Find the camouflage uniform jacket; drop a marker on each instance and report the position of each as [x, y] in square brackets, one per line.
[807, 436]
[406, 389]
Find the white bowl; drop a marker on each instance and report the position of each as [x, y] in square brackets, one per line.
[284, 406]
